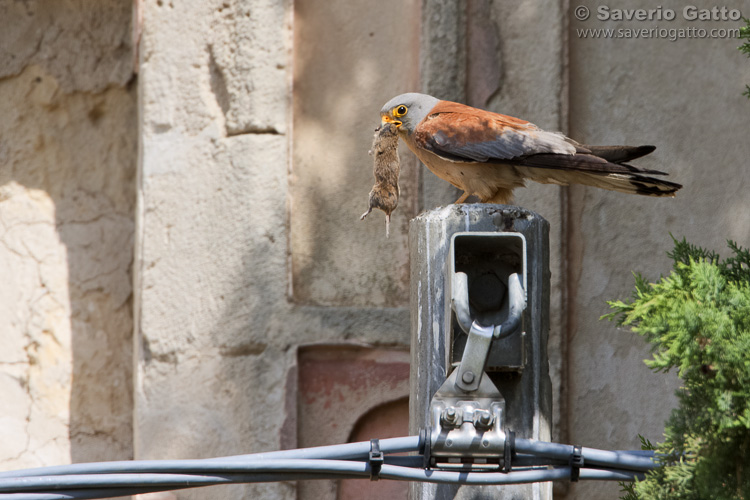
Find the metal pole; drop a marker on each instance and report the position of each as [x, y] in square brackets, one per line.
[526, 389]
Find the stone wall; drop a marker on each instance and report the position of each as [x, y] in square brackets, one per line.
[67, 167]
[218, 320]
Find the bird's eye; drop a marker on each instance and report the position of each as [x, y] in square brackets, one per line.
[400, 111]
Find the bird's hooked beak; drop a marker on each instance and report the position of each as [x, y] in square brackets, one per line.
[385, 118]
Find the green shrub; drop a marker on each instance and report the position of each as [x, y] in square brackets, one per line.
[697, 320]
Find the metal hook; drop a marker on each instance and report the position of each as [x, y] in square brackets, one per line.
[474, 358]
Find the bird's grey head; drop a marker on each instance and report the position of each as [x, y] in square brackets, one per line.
[407, 110]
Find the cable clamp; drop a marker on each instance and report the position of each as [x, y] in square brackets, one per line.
[576, 462]
[425, 435]
[510, 450]
[376, 459]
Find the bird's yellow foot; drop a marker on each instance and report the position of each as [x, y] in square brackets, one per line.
[463, 197]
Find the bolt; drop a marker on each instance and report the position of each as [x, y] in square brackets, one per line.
[449, 416]
[484, 419]
[468, 377]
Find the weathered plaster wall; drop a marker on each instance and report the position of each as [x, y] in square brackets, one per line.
[211, 249]
[217, 331]
[67, 165]
[684, 97]
[342, 392]
[341, 79]
[85, 45]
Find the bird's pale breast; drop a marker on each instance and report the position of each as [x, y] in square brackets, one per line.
[481, 179]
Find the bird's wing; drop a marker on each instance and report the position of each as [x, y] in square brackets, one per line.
[582, 163]
[461, 133]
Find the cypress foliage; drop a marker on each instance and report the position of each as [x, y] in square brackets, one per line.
[697, 320]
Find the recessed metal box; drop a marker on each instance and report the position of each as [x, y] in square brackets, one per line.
[488, 258]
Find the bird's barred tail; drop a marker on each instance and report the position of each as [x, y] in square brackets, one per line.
[630, 183]
[598, 169]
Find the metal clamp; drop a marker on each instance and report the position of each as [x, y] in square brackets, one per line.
[576, 462]
[376, 459]
[425, 440]
[471, 369]
[466, 434]
[460, 304]
[466, 430]
[510, 450]
[474, 359]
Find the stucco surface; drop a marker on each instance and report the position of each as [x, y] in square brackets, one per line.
[67, 167]
[218, 329]
[211, 237]
[85, 45]
[345, 393]
[684, 96]
[342, 77]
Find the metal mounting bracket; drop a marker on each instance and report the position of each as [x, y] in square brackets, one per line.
[467, 411]
[467, 429]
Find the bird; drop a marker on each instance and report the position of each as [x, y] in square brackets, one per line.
[488, 154]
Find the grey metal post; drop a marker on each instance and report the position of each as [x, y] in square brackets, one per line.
[528, 396]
